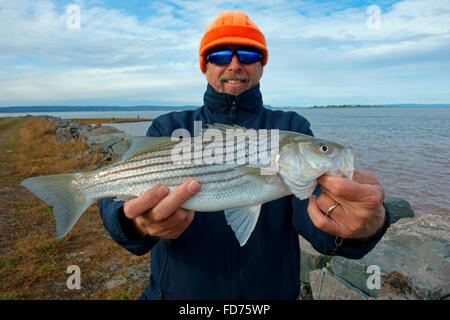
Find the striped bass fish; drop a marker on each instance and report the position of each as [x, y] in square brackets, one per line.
[235, 187]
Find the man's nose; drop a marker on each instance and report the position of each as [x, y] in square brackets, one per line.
[234, 65]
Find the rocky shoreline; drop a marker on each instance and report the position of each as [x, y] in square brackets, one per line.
[111, 142]
[412, 261]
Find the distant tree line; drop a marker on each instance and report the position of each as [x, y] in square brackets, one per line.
[345, 106]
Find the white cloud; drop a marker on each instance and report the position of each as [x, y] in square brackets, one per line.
[319, 53]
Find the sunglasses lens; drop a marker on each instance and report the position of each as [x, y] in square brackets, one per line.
[221, 57]
[248, 57]
[224, 57]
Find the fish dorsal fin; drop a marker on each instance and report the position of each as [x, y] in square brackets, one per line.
[139, 144]
[242, 221]
[223, 127]
[285, 137]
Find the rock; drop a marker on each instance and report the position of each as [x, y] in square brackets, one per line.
[113, 267]
[355, 273]
[61, 123]
[106, 141]
[121, 147]
[305, 292]
[103, 130]
[59, 131]
[74, 129]
[399, 208]
[83, 132]
[139, 273]
[397, 286]
[415, 247]
[114, 283]
[310, 259]
[326, 286]
[103, 142]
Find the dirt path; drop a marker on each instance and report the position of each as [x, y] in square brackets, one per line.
[8, 190]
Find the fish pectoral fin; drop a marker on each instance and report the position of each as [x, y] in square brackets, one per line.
[139, 144]
[242, 221]
[124, 197]
[299, 189]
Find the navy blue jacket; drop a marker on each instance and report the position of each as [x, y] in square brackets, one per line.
[206, 261]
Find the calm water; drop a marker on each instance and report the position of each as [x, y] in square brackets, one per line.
[408, 149]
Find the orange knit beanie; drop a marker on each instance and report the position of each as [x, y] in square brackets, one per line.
[232, 27]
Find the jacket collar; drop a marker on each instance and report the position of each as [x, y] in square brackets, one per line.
[221, 106]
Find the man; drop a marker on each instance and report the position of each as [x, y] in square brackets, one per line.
[196, 255]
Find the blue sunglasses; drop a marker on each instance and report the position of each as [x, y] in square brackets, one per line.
[225, 56]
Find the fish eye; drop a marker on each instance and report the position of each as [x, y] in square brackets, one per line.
[324, 148]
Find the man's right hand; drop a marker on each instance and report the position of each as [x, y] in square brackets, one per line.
[158, 213]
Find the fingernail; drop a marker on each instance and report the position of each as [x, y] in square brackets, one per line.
[193, 187]
[162, 191]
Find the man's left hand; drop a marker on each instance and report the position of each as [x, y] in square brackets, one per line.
[359, 213]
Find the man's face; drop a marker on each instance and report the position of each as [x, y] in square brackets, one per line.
[235, 77]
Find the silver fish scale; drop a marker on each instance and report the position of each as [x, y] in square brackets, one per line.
[245, 191]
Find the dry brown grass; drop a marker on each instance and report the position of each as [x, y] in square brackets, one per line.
[33, 263]
[38, 152]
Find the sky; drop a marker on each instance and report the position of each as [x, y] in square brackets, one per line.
[136, 52]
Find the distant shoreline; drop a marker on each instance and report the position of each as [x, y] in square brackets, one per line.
[56, 109]
[109, 120]
[351, 107]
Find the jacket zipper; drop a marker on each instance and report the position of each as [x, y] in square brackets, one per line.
[233, 110]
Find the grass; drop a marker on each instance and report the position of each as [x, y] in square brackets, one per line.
[121, 295]
[33, 262]
[36, 151]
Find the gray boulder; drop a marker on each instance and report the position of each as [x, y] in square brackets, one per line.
[105, 141]
[416, 247]
[111, 284]
[310, 259]
[399, 208]
[121, 147]
[103, 130]
[326, 286]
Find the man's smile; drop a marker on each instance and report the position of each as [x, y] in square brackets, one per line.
[235, 83]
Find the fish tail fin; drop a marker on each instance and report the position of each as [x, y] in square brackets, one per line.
[68, 200]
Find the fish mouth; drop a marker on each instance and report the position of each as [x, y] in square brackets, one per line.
[347, 165]
[343, 164]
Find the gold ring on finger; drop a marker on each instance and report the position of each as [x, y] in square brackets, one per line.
[332, 208]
